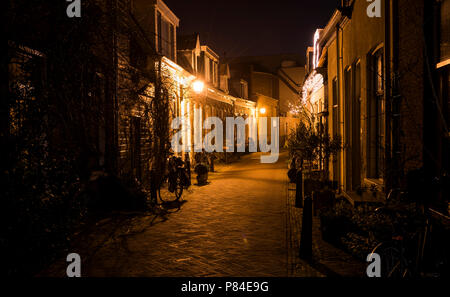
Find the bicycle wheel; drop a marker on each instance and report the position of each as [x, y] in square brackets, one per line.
[179, 185]
[393, 261]
[169, 192]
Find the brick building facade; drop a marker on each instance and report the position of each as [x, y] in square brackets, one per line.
[385, 93]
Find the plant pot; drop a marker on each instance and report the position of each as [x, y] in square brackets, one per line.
[202, 174]
[202, 179]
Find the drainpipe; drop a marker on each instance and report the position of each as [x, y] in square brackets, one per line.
[338, 91]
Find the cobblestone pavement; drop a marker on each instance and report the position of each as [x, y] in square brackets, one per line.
[243, 223]
[234, 226]
[296, 266]
[327, 259]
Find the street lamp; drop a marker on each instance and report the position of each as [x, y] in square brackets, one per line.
[262, 110]
[198, 86]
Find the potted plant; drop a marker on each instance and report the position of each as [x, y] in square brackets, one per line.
[315, 146]
[202, 173]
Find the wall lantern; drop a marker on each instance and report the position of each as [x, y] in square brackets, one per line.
[198, 86]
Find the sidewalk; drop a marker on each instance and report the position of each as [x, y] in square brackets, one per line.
[327, 259]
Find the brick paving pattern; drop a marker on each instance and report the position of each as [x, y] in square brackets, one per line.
[234, 226]
[243, 223]
[296, 266]
[327, 259]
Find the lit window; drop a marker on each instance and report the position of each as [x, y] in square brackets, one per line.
[376, 118]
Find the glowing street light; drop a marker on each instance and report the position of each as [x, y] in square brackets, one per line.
[262, 110]
[198, 86]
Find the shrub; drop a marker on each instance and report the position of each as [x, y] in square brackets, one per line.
[356, 230]
[201, 169]
[335, 222]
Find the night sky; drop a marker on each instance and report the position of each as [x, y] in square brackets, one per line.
[253, 27]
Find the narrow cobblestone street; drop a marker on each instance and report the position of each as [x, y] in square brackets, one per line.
[234, 226]
[133, 134]
[240, 224]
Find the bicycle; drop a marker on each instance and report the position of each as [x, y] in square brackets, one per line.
[175, 181]
[402, 253]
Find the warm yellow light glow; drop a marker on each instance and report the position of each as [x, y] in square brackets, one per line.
[262, 110]
[316, 50]
[198, 86]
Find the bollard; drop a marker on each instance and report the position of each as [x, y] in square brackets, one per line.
[188, 167]
[212, 164]
[306, 236]
[298, 190]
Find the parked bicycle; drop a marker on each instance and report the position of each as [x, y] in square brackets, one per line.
[175, 180]
[402, 255]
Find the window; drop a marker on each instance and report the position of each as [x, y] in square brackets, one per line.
[348, 98]
[216, 73]
[336, 116]
[211, 71]
[166, 37]
[200, 65]
[376, 117]
[172, 42]
[159, 24]
[379, 72]
[206, 69]
[356, 128]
